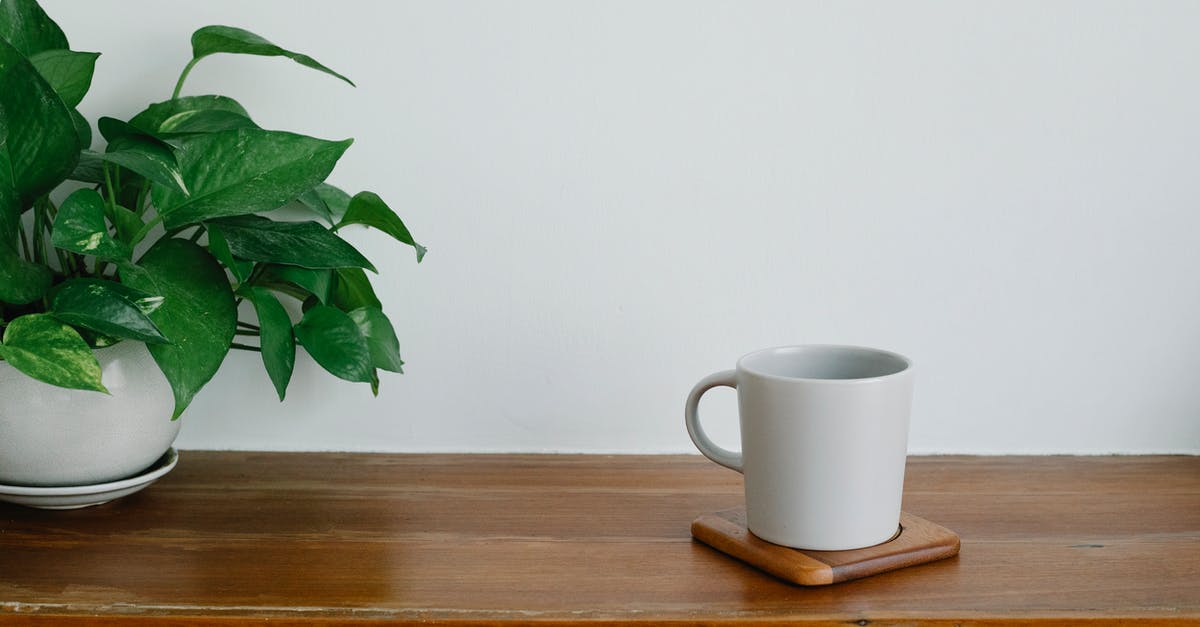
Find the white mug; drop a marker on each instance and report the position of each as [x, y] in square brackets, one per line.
[824, 434]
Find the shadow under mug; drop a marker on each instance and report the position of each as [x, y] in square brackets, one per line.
[824, 433]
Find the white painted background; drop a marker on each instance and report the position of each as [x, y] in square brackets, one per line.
[621, 197]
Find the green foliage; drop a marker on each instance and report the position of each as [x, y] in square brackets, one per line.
[37, 136]
[380, 336]
[197, 315]
[318, 283]
[326, 201]
[80, 228]
[184, 180]
[155, 116]
[278, 342]
[48, 350]
[352, 290]
[109, 308]
[369, 209]
[21, 281]
[25, 26]
[214, 39]
[259, 171]
[67, 71]
[219, 247]
[304, 244]
[211, 121]
[141, 153]
[335, 341]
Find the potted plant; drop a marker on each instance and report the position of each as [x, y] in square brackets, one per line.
[120, 264]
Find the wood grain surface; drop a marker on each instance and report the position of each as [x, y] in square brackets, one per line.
[918, 541]
[333, 538]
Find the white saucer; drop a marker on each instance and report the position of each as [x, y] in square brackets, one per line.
[72, 497]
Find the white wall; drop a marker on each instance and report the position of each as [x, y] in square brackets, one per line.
[621, 197]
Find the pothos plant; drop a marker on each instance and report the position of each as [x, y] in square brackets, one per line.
[159, 237]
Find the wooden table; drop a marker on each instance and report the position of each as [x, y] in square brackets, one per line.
[558, 539]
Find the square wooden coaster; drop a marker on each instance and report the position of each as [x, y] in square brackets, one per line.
[918, 542]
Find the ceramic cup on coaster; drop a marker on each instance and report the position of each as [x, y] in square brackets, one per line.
[824, 433]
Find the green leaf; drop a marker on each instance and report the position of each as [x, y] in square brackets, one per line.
[275, 337]
[21, 282]
[198, 313]
[326, 201]
[304, 244]
[141, 152]
[152, 119]
[25, 26]
[10, 200]
[51, 351]
[90, 168]
[80, 228]
[319, 283]
[96, 340]
[200, 121]
[219, 248]
[67, 71]
[311, 201]
[369, 209]
[109, 308]
[381, 338]
[113, 129]
[39, 145]
[83, 130]
[37, 135]
[215, 39]
[244, 171]
[128, 223]
[147, 159]
[335, 342]
[352, 290]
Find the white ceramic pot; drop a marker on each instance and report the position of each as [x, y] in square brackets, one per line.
[51, 436]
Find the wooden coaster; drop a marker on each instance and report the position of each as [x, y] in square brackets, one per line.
[918, 542]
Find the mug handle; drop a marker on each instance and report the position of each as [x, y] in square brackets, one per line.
[691, 417]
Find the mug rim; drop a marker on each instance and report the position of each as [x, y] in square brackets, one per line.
[908, 364]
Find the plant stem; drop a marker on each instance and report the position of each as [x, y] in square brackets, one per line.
[245, 347]
[289, 290]
[169, 233]
[255, 274]
[63, 264]
[187, 69]
[39, 245]
[48, 212]
[108, 187]
[247, 325]
[145, 230]
[25, 244]
[110, 207]
[199, 231]
[141, 199]
[247, 332]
